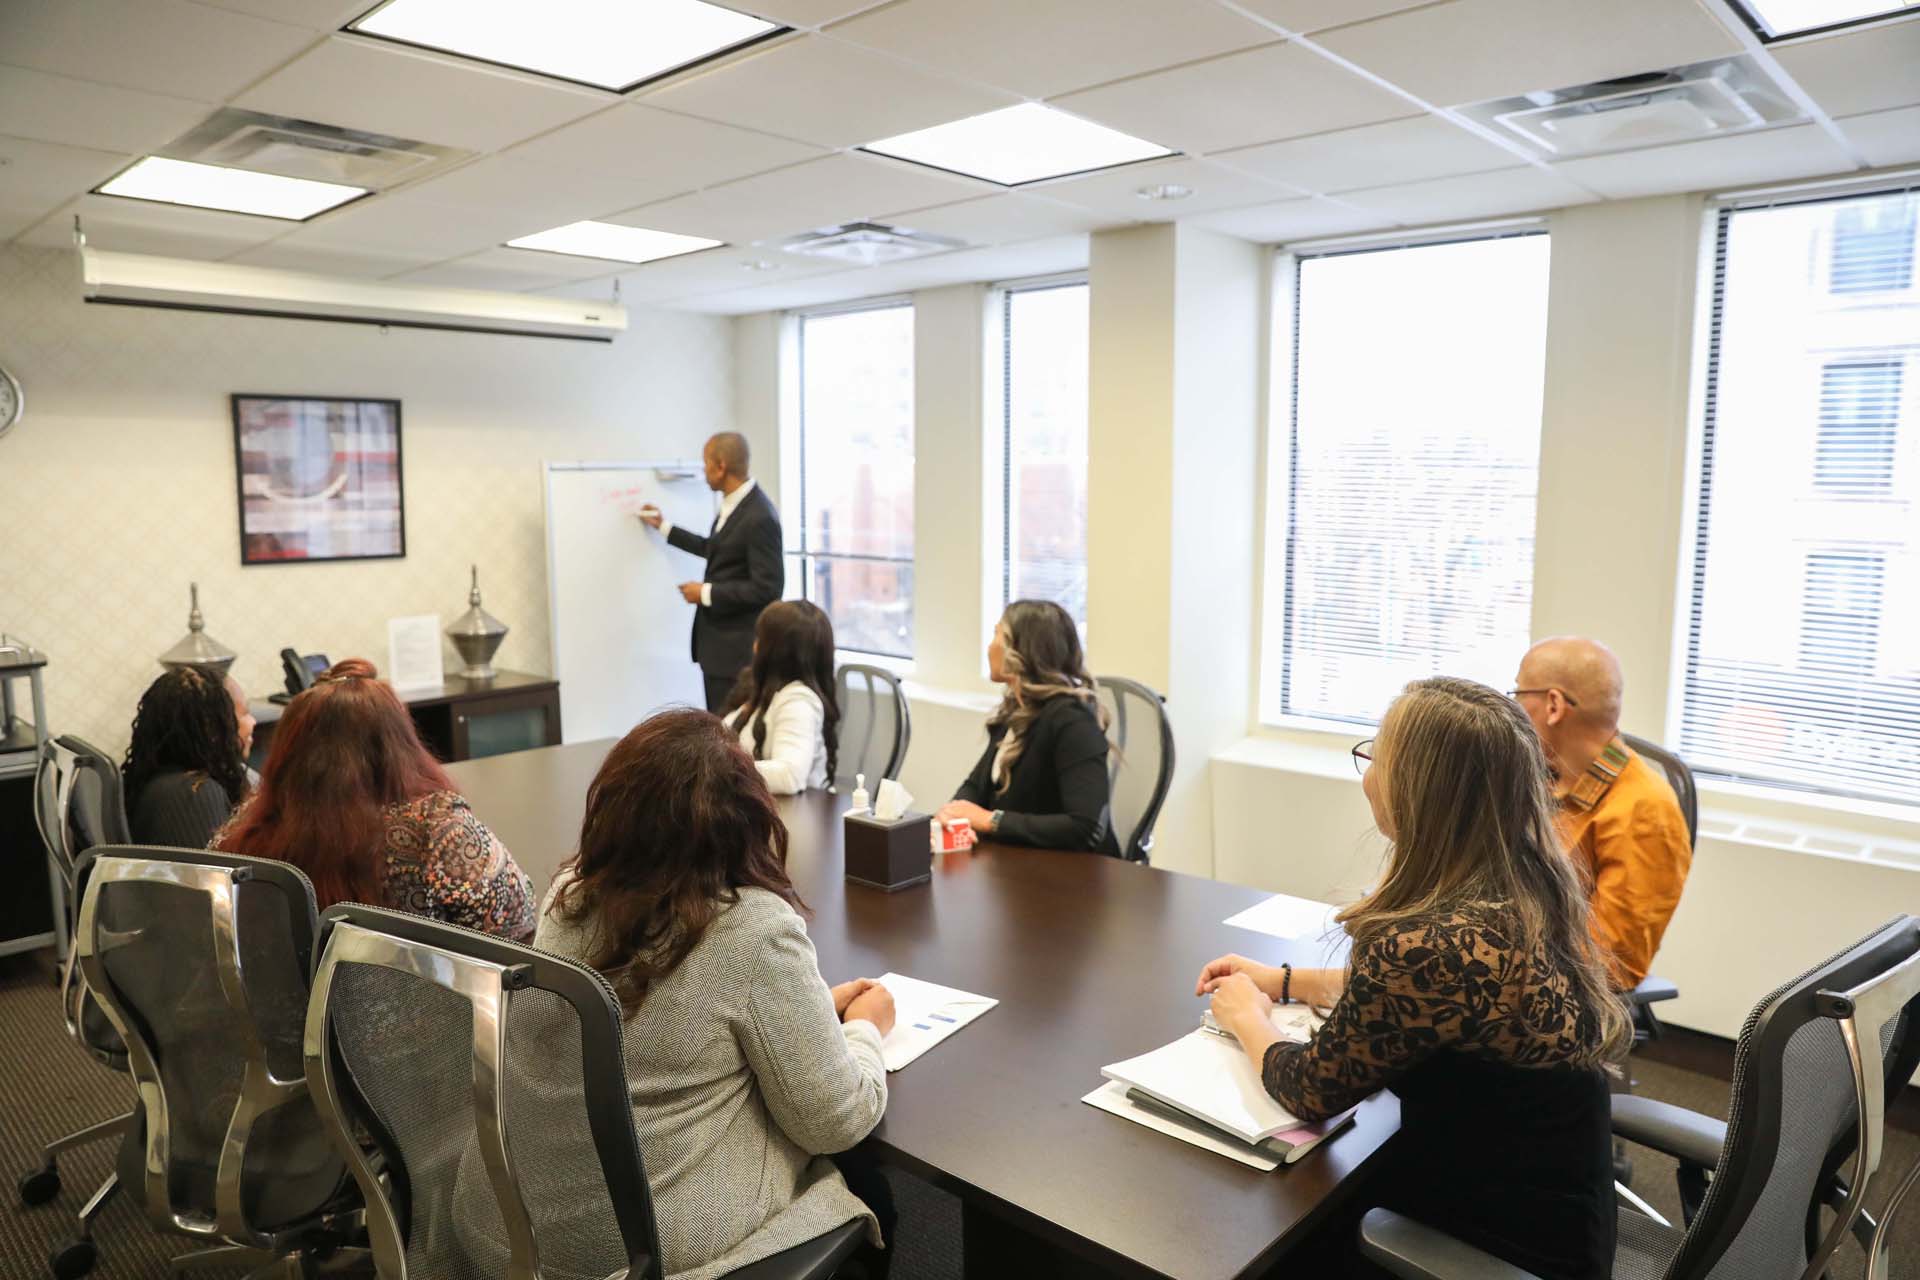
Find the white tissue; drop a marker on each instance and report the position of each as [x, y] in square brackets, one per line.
[892, 800]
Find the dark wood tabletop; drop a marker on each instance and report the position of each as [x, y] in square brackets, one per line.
[1092, 959]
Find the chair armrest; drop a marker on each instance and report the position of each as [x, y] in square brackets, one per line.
[1683, 1134]
[1653, 990]
[1414, 1252]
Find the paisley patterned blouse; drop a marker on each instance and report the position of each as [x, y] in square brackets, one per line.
[1456, 983]
[439, 860]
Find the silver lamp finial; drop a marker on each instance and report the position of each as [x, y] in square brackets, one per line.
[197, 648]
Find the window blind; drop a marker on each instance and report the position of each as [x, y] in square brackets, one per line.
[1803, 638]
[1414, 455]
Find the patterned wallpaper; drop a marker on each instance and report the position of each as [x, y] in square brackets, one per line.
[117, 488]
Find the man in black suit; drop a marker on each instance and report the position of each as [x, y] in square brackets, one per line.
[745, 572]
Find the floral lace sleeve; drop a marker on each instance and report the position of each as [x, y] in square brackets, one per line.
[443, 862]
[1455, 981]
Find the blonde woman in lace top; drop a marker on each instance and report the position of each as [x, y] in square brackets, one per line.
[1473, 991]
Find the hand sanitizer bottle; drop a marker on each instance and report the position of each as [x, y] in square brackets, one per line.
[862, 803]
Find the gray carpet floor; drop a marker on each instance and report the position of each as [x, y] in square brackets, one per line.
[49, 1087]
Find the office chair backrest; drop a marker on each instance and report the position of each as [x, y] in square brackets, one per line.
[875, 725]
[488, 1076]
[1140, 767]
[1679, 777]
[1795, 1104]
[77, 802]
[201, 959]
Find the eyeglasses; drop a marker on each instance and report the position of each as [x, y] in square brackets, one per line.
[1571, 701]
[1362, 755]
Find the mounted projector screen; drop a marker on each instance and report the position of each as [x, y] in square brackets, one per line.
[319, 479]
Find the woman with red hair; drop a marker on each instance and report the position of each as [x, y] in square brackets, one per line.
[351, 797]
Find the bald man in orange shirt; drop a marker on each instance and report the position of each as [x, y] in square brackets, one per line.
[1619, 817]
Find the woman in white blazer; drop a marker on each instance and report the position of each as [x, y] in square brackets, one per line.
[784, 709]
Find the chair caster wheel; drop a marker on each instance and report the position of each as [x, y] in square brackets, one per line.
[71, 1260]
[39, 1185]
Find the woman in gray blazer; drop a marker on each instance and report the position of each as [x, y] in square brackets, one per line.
[745, 1069]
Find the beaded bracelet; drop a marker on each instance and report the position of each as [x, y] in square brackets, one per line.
[1286, 984]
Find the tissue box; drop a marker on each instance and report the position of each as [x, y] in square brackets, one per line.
[888, 855]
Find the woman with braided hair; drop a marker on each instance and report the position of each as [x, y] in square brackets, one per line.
[1042, 780]
[186, 765]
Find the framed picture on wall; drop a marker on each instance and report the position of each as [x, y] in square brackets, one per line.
[319, 479]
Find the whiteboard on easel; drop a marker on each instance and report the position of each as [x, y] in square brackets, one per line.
[622, 635]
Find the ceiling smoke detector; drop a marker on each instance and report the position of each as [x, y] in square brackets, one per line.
[868, 244]
[1684, 104]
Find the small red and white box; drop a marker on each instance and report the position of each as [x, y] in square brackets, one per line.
[952, 835]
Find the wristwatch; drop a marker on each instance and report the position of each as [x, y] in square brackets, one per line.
[997, 815]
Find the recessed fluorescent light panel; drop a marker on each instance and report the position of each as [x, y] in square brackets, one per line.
[1778, 19]
[1017, 145]
[212, 186]
[612, 241]
[610, 44]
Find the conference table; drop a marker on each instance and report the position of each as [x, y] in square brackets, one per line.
[1093, 961]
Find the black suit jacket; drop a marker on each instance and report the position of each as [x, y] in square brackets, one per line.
[1058, 796]
[744, 565]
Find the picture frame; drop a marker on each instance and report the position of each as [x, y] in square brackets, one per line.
[318, 479]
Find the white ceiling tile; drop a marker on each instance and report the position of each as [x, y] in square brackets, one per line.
[1372, 156]
[406, 223]
[1001, 262]
[163, 46]
[1278, 91]
[1885, 137]
[1862, 71]
[328, 262]
[79, 113]
[1473, 50]
[38, 177]
[386, 88]
[1005, 262]
[710, 271]
[1114, 193]
[1293, 220]
[503, 268]
[823, 91]
[1770, 156]
[1481, 195]
[842, 188]
[316, 15]
[140, 226]
[1044, 49]
[998, 219]
[804, 13]
[1305, 16]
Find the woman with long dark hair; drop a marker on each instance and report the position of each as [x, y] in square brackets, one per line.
[351, 796]
[186, 765]
[784, 708]
[745, 1069]
[1474, 990]
[1043, 779]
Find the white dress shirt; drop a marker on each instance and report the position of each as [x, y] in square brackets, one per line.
[796, 753]
[727, 504]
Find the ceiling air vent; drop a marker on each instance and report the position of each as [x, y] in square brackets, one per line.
[1706, 100]
[868, 244]
[303, 149]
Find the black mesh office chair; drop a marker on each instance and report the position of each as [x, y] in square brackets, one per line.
[875, 725]
[1140, 767]
[1652, 990]
[420, 1037]
[1810, 1076]
[78, 805]
[201, 960]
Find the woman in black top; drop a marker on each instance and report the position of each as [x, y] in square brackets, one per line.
[1043, 778]
[1473, 991]
[187, 765]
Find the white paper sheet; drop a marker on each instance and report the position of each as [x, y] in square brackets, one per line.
[1207, 1075]
[1111, 1097]
[924, 1014]
[413, 652]
[1285, 916]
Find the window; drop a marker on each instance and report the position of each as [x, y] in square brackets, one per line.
[1405, 547]
[1859, 420]
[1803, 639]
[1044, 527]
[1872, 247]
[855, 558]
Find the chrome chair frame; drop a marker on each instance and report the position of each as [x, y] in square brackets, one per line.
[217, 877]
